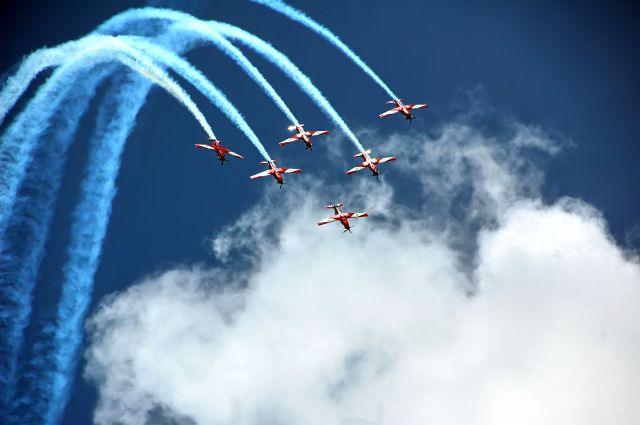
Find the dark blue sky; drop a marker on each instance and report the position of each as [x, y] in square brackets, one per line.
[570, 67]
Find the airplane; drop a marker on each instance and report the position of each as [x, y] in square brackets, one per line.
[274, 171]
[220, 150]
[303, 135]
[342, 217]
[402, 108]
[369, 163]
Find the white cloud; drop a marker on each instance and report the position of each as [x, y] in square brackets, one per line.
[377, 326]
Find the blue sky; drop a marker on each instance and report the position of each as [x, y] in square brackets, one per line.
[568, 68]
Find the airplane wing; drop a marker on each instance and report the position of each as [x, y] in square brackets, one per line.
[289, 140]
[357, 215]
[290, 170]
[327, 221]
[417, 106]
[355, 169]
[389, 112]
[235, 154]
[381, 160]
[204, 146]
[260, 175]
[317, 133]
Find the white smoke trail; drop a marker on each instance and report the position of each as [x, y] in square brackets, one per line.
[290, 69]
[305, 20]
[199, 81]
[36, 62]
[120, 23]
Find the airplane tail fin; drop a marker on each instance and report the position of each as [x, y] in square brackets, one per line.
[334, 205]
[267, 162]
[362, 153]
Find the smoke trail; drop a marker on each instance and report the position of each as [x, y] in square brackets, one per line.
[89, 229]
[116, 117]
[298, 16]
[15, 153]
[19, 269]
[157, 75]
[121, 21]
[27, 230]
[91, 217]
[198, 80]
[37, 62]
[290, 69]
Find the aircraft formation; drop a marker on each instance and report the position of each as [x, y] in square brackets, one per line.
[305, 136]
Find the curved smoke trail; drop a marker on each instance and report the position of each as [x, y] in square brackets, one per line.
[75, 307]
[91, 216]
[27, 231]
[117, 23]
[200, 82]
[47, 395]
[120, 23]
[298, 16]
[19, 269]
[115, 121]
[155, 74]
[35, 63]
[15, 153]
[88, 230]
[290, 69]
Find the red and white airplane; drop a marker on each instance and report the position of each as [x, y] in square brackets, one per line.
[369, 163]
[303, 135]
[274, 171]
[220, 150]
[402, 108]
[342, 217]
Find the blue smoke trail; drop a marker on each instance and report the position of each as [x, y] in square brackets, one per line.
[19, 270]
[27, 231]
[45, 400]
[37, 62]
[196, 32]
[91, 217]
[116, 119]
[298, 16]
[15, 153]
[120, 21]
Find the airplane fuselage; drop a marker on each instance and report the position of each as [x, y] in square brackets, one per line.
[278, 177]
[369, 164]
[220, 151]
[403, 109]
[305, 136]
[342, 217]
[275, 172]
